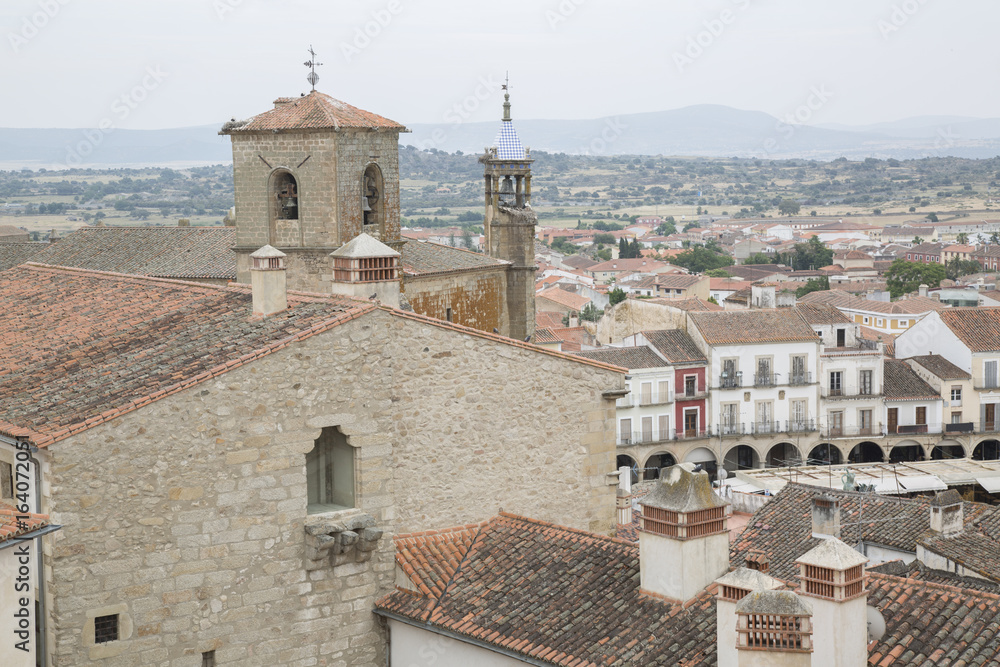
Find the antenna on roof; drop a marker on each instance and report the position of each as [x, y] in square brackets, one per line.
[313, 77]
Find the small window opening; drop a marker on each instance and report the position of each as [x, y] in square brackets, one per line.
[208, 659]
[330, 473]
[106, 629]
[447, 314]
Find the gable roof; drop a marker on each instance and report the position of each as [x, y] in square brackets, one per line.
[941, 367]
[161, 252]
[820, 314]
[563, 298]
[784, 325]
[633, 264]
[560, 596]
[837, 298]
[578, 261]
[626, 357]
[902, 383]
[675, 345]
[426, 258]
[978, 328]
[12, 254]
[82, 347]
[691, 304]
[315, 111]
[364, 245]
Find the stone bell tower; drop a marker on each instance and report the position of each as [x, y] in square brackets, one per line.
[310, 175]
[509, 226]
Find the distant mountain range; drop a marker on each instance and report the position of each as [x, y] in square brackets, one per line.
[703, 130]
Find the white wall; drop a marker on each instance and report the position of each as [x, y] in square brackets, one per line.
[680, 569]
[932, 336]
[414, 647]
[10, 598]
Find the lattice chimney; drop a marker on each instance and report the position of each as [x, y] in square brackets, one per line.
[774, 622]
[733, 587]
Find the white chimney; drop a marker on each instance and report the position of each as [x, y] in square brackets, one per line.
[947, 513]
[267, 281]
[832, 577]
[733, 587]
[775, 628]
[624, 496]
[922, 290]
[683, 539]
[825, 517]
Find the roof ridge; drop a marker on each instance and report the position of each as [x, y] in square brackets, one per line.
[569, 529]
[131, 277]
[934, 584]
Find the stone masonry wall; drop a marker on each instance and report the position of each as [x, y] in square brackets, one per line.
[477, 299]
[187, 517]
[356, 150]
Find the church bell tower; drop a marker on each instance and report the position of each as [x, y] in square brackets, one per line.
[509, 225]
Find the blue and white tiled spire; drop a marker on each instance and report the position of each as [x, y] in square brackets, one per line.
[507, 144]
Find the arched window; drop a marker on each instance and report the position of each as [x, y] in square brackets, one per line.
[373, 201]
[330, 473]
[284, 201]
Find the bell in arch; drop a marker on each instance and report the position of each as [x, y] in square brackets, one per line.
[507, 191]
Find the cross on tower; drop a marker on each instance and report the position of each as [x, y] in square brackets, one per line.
[312, 65]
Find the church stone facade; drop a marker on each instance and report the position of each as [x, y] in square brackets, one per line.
[313, 173]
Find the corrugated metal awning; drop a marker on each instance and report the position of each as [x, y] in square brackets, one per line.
[923, 483]
[991, 484]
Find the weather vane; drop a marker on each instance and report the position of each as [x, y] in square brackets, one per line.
[312, 65]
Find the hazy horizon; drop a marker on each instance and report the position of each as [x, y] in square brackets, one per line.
[189, 63]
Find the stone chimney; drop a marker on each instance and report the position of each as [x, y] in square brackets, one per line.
[825, 517]
[733, 587]
[54, 237]
[947, 513]
[775, 628]
[683, 538]
[758, 560]
[574, 320]
[832, 577]
[922, 290]
[366, 268]
[267, 281]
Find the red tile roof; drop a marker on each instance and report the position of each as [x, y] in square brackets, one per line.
[315, 111]
[426, 258]
[544, 335]
[785, 325]
[978, 328]
[430, 559]
[13, 524]
[903, 384]
[78, 347]
[675, 345]
[563, 298]
[626, 357]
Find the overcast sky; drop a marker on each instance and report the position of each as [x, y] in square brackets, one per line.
[149, 64]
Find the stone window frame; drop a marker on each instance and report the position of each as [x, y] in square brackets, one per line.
[272, 207]
[113, 648]
[356, 460]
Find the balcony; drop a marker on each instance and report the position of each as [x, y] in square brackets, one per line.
[849, 393]
[638, 400]
[691, 396]
[799, 379]
[860, 347]
[647, 438]
[731, 381]
[764, 380]
[766, 428]
[852, 431]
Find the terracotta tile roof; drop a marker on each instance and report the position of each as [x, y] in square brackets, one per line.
[841, 299]
[636, 264]
[566, 597]
[11, 526]
[782, 528]
[821, 314]
[78, 348]
[544, 335]
[161, 252]
[675, 345]
[753, 326]
[578, 261]
[978, 328]
[562, 596]
[315, 111]
[678, 281]
[973, 550]
[426, 258]
[548, 319]
[626, 357]
[11, 230]
[563, 298]
[12, 254]
[902, 383]
[756, 271]
[693, 304]
[941, 367]
[728, 284]
[926, 248]
[918, 571]
[430, 559]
